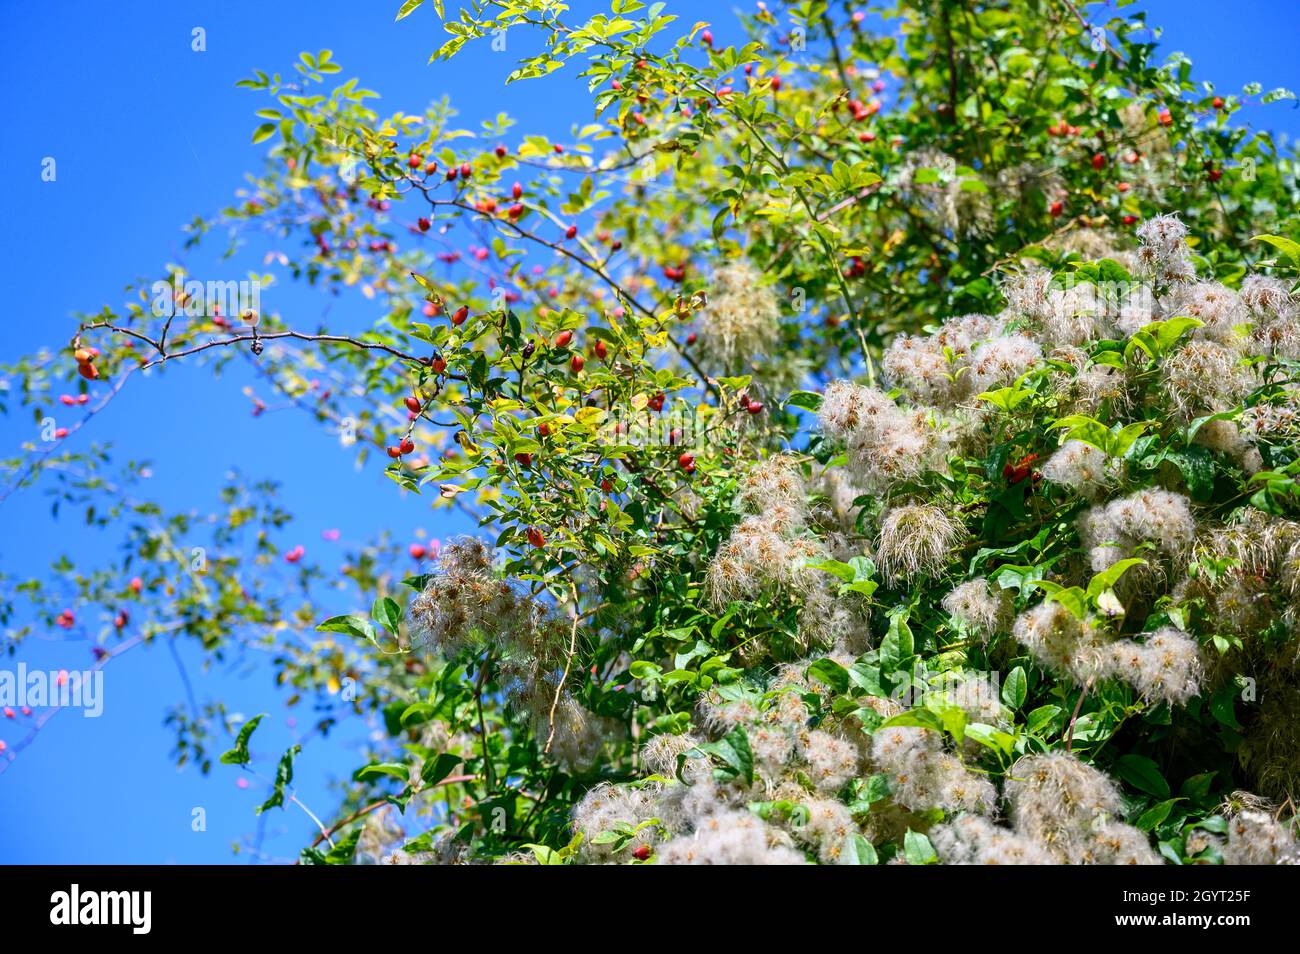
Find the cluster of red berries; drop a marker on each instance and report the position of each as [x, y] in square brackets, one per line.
[405, 447]
[1063, 128]
[86, 362]
[1015, 473]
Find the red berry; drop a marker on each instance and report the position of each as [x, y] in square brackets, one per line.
[431, 168]
[1099, 161]
[501, 152]
[1166, 118]
[461, 314]
[515, 211]
[406, 446]
[517, 190]
[423, 224]
[754, 407]
[417, 550]
[451, 173]
[544, 430]
[706, 38]
[576, 363]
[412, 404]
[535, 537]
[571, 232]
[601, 350]
[657, 402]
[1217, 102]
[687, 462]
[1129, 219]
[641, 852]
[563, 339]
[1056, 208]
[465, 170]
[1216, 175]
[439, 365]
[692, 338]
[605, 485]
[414, 161]
[394, 452]
[525, 459]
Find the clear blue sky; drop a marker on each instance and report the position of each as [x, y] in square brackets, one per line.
[146, 134]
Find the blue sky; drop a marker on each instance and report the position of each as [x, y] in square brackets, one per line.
[147, 133]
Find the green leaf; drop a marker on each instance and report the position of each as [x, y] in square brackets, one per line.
[898, 646]
[1155, 816]
[283, 776]
[1108, 577]
[843, 570]
[438, 768]
[387, 613]
[1015, 688]
[1041, 720]
[1082, 428]
[918, 850]
[858, 851]
[409, 7]
[1286, 246]
[808, 400]
[239, 754]
[352, 625]
[1008, 399]
[831, 673]
[921, 718]
[1196, 464]
[737, 757]
[1142, 773]
[1223, 704]
[397, 770]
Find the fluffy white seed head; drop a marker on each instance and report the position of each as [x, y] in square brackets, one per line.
[742, 318]
[980, 607]
[917, 540]
[1085, 469]
[1166, 665]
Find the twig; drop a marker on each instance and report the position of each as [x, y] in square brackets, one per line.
[1069, 737]
[568, 661]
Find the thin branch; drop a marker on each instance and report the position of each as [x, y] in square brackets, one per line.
[568, 661]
